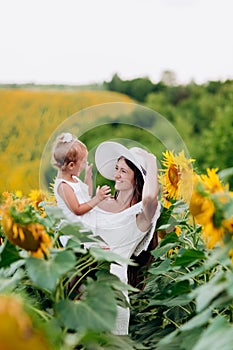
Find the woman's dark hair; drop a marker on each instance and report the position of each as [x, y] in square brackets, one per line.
[143, 260]
[136, 274]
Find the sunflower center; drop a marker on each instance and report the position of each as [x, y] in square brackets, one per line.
[173, 175]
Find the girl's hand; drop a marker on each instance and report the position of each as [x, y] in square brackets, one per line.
[89, 170]
[88, 173]
[103, 192]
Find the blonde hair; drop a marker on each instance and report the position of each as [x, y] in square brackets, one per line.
[67, 148]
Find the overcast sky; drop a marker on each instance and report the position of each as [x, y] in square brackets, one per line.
[81, 42]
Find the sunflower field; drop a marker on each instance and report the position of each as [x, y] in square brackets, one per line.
[64, 298]
[28, 117]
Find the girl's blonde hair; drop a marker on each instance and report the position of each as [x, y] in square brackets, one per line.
[67, 148]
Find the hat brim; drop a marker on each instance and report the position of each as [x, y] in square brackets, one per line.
[106, 156]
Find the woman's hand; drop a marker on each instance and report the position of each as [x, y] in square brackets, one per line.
[145, 155]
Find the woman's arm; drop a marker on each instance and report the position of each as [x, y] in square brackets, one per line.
[67, 194]
[150, 191]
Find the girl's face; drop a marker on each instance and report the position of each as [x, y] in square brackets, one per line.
[77, 167]
[81, 165]
[124, 176]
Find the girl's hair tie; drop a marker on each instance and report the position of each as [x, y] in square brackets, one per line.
[67, 137]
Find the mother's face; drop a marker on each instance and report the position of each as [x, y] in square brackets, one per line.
[124, 176]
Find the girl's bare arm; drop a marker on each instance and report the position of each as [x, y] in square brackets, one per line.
[67, 194]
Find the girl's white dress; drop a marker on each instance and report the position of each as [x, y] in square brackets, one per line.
[120, 232]
[81, 191]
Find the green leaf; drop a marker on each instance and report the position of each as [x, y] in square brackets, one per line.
[8, 254]
[197, 321]
[161, 251]
[228, 209]
[76, 230]
[179, 340]
[54, 212]
[103, 341]
[219, 335]
[170, 302]
[75, 245]
[169, 238]
[46, 273]
[190, 275]
[164, 227]
[106, 255]
[209, 291]
[163, 267]
[96, 312]
[8, 283]
[179, 288]
[189, 257]
[104, 276]
[225, 174]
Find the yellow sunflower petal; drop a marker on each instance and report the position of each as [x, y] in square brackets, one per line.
[15, 230]
[21, 233]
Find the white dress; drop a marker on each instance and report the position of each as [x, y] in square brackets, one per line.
[119, 231]
[81, 191]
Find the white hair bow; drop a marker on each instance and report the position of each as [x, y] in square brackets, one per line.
[67, 137]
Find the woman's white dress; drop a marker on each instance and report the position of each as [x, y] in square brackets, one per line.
[120, 232]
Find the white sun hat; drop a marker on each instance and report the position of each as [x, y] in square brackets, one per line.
[107, 154]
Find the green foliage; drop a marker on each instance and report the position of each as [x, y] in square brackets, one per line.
[137, 88]
[71, 290]
[46, 273]
[202, 114]
[88, 314]
[187, 292]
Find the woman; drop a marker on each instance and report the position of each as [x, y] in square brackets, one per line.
[127, 221]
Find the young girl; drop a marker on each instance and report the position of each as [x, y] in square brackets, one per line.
[73, 195]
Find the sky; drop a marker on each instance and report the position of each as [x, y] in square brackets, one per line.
[88, 41]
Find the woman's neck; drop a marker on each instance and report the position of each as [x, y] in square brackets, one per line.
[125, 198]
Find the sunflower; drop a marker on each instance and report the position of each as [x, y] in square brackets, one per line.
[21, 225]
[36, 197]
[228, 224]
[212, 235]
[204, 212]
[228, 220]
[166, 200]
[176, 178]
[207, 205]
[212, 182]
[170, 177]
[16, 328]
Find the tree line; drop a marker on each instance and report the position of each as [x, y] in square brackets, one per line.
[202, 113]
